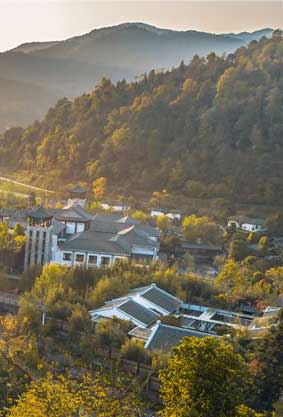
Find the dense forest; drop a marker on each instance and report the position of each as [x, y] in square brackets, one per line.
[212, 128]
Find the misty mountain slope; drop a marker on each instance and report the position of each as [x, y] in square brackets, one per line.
[212, 128]
[69, 77]
[74, 66]
[21, 101]
[141, 46]
[257, 35]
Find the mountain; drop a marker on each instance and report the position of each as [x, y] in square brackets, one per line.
[33, 46]
[71, 67]
[212, 128]
[254, 36]
[21, 101]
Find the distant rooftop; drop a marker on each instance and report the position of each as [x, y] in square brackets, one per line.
[78, 189]
[39, 213]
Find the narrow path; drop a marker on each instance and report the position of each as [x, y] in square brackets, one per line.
[14, 193]
[25, 185]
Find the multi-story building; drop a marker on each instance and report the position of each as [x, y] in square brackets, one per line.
[72, 236]
[39, 233]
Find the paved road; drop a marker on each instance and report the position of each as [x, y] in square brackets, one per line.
[26, 185]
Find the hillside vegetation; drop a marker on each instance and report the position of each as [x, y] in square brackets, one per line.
[212, 128]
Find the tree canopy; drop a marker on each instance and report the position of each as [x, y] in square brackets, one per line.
[212, 128]
[204, 378]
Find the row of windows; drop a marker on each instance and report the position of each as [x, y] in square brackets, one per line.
[92, 259]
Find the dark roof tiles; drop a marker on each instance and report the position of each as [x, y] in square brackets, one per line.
[94, 242]
[166, 337]
[138, 312]
[78, 189]
[161, 299]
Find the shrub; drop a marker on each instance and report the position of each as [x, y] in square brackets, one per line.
[135, 351]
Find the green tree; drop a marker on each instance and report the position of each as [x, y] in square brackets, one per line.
[201, 228]
[204, 378]
[134, 350]
[112, 333]
[269, 367]
[162, 222]
[238, 248]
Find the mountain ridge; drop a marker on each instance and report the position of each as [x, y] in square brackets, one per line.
[145, 26]
[74, 66]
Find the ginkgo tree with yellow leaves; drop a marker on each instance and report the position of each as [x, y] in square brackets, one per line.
[85, 396]
[205, 378]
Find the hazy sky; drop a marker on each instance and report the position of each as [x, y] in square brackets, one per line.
[39, 20]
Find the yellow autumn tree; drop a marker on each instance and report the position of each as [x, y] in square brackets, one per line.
[86, 396]
[98, 187]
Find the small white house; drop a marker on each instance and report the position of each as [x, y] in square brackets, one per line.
[105, 206]
[118, 207]
[172, 215]
[254, 225]
[247, 224]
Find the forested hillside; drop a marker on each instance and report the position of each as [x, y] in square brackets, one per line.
[212, 128]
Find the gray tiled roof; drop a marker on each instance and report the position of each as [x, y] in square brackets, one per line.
[74, 213]
[106, 226]
[166, 337]
[128, 220]
[39, 213]
[135, 239]
[149, 230]
[162, 299]
[6, 212]
[78, 189]
[94, 242]
[112, 217]
[138, 312]
[58, 227]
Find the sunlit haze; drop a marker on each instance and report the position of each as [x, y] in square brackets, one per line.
[41, 20]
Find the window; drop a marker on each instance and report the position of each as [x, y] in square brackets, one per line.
[80, 227]
[105, 260]
[80, 257]
[42, 259]
[92, 259]
[67, 256]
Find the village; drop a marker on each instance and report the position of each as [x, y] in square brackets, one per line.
[75, 238]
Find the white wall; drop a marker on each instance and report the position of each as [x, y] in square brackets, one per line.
[253, 227]
[156, 213]
[57, 257]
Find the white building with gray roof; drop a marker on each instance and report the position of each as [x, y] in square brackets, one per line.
[142, 306]
[102, 239]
